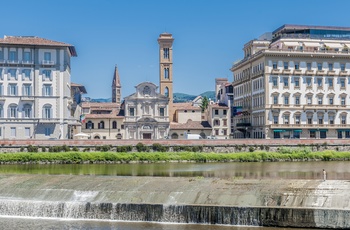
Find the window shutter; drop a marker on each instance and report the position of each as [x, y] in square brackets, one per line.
[43, 91]
[23, 90]
[8, 112]
[30, 75]
[51, 113]
[43, 75]
[16, 90]
[50, 72]
[51, 91]
[16, 74]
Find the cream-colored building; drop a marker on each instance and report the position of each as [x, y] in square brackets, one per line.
[103, 120]
[188, 119]
[35, 88]
[294, 83]
[146, 113]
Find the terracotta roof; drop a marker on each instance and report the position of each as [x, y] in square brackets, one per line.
[100, 105]
[185, 105]
[33, 40]
[219, 106]
[190, 125]
[81, 87]
[102, 116]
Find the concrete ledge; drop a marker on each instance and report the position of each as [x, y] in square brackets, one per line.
[294, 203]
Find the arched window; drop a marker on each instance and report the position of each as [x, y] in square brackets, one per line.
[174, 136]
[27, 111]
[101, 125]
[166, 92]
[12, 111]
[89, 125]
[114, 125]
[47, 111]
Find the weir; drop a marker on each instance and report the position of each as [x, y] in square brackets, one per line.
[280, 203]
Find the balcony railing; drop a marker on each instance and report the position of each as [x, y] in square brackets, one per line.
[27, 62]
[297, 72]
[49, 120]
[305, 107]
[308, 126]
[27, 98]
[47, 62]
[12, 61]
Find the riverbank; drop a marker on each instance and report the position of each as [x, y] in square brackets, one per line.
[283, 154]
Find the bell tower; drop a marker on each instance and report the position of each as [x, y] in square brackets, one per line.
[116, 87]
[165, 42]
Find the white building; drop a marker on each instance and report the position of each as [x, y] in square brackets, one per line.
[35, 88]
[146, 113]
[294, 84]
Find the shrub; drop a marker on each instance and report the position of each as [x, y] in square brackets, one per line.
[32, 149]
[21, 149]
[140, 147]
[251, 149]
[159, 148]
[75, 149]
[65, 148]
[124, 149]
[43, 149]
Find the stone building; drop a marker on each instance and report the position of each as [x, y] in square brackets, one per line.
[294, 83]
[146, 113]
[35, 88]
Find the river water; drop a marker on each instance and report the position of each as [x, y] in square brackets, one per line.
[258, 170]
[336, 170]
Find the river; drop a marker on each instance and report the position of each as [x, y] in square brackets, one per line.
[339, 170]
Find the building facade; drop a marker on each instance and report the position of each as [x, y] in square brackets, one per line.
[146, 113]
[35, 88]
[294, 83]
[103, 120]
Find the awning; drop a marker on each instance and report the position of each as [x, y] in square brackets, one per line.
[279, 130]
[323, 130]
[298, 130]
[311, 44]
[291, 43]
[334, 45]
[344, 130]
[312, 130]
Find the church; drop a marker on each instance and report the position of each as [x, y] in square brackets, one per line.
[147, 113]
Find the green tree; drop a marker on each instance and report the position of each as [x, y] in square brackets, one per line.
[205, 103]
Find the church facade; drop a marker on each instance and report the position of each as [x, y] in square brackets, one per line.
[146, 113]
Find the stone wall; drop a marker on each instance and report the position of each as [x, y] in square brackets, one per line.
[220, 146]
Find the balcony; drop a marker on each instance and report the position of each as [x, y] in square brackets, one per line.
[48, 120]
[275, 71]
[331, 73]
[320, 72]
[297, 72]
[309, 72]
[12, 62]
[261, 72]
[2, 98]
[287, 71]
[308, 126]
[27, 98]
[324, 107]
[47, 62]
[27, 62]
[343, 73]
[2, 61]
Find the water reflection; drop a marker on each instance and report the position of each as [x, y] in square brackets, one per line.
[257, 170]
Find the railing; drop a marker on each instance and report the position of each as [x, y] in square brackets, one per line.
[27, 98]
[309, 126]
[12, 61]
[27, 62]
[47, 62]
[49, 120]
[324, 107]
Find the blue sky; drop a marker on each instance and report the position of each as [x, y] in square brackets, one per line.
[209, 35]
